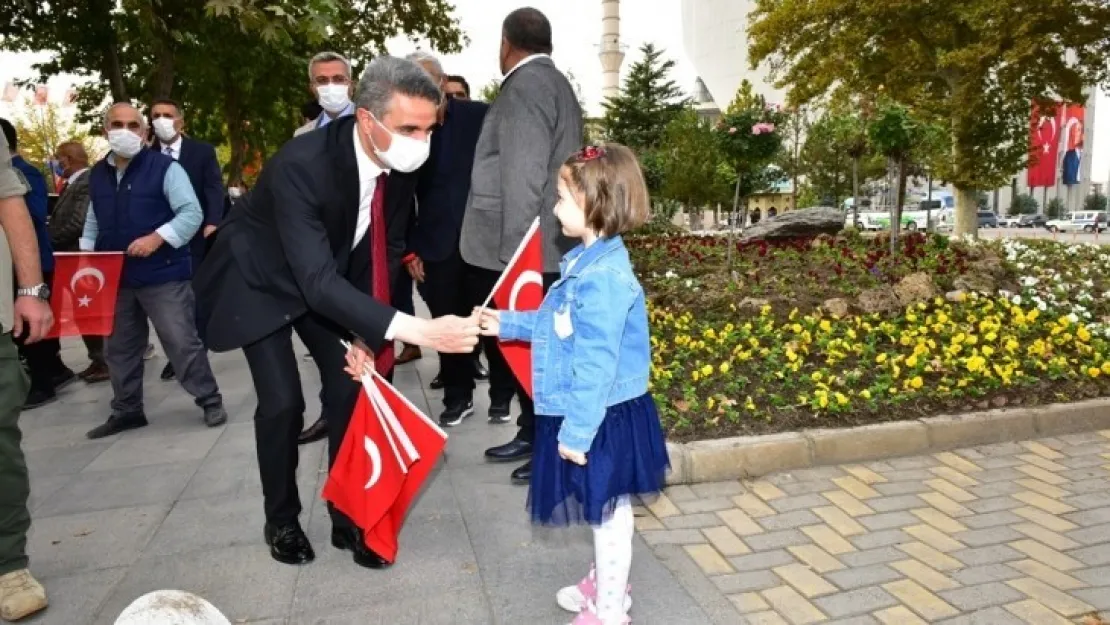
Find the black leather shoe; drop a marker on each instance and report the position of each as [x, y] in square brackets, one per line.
[351, 539]
[288, 544]
[316, 431]
[480, 372]
[168, 372]
[511, 451]
[39, 397]
[64, 379]
[523, 474]
[116, 424]
[437, 382]
[500, 411]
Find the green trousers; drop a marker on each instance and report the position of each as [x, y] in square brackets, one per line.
[15, 520]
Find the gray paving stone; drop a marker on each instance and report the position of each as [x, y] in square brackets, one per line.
[692, 521]
[1090, 517]
[888, 520]
[1081, 475]
[77, 543]
[986, 573]
[800, 502]
[1082, 462]
[1091, 535]
[763, 560]
[913, 462]
[901, 488]
[776, 540]
[789, 520]
[863, 619]
[898, 502]
[880, 539]
[860, 577]
[990, 616]
[1088, 500]
[1090, 449]
[994, 504]
[129, 452]
[1095, 485]
[879, 555]
[712, 504]
[908, 475]
[718, 489]
[1097, 555]
[76, 598]
[680, 493]
[993, 554]
[1097, 597]
[746, 582]
[984, 596]
[855, 602]
[1073, 440]
[673, 537]
[209, 524]
[997, 463]
[988, 536]
[1094, 577]
[51, 461]
[806, 488]
[991, 519]
[120, 488]
[995, 489]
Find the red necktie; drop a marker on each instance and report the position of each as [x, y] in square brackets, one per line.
[379, 267]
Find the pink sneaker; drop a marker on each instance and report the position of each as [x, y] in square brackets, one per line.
[589, 617]
[576, 598]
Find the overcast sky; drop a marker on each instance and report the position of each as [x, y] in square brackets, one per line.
[577, 30]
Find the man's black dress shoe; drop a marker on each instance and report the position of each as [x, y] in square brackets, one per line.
[480, 372]
[316, 431]
[511, 451]
[523, 474]
[350, 538]
[437, 382]
[288, 544]
[168, 373]
[116, 424]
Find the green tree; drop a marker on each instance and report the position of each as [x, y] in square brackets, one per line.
[490, 91]
[974, 64]
[1055, 208]
[42, 128]
[1024, 204]
[648, 101]
[690, 158]
[237, 66]
[1095, 202]
[833, 157]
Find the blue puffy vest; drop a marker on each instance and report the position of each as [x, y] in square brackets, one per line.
[134, 208]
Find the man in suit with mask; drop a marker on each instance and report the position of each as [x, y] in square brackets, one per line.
[313, 249]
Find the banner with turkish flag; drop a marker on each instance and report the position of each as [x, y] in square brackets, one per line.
[520, 287]
[83, 295]
[387, 454]
[1044, 146]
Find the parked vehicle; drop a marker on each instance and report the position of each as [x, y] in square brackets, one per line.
[1085, 221]
[988, 219]
[1032, 221]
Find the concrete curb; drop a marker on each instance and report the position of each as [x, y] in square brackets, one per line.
[752, 456]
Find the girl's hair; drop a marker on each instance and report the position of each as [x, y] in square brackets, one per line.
[608, 177]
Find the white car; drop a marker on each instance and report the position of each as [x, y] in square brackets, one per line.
[1086, 221]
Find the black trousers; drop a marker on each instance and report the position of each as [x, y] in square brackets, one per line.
[445, 291]
[502, 383]
[279, 418]
[44, 358]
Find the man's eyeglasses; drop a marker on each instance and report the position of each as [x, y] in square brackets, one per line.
[337, 79]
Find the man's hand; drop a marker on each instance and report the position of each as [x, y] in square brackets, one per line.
[576, 457]
[208, 230]
[145, 246]
[33, 318]
[360, 360]
[415, 268]
[451, 334]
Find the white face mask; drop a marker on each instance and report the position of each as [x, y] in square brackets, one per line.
[124, 142]
[164, 130]
[405, 154]
[333, 98]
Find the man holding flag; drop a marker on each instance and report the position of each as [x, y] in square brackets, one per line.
[313, 250]
[531, 128]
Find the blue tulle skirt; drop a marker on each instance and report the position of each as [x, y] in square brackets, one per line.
[628, 457]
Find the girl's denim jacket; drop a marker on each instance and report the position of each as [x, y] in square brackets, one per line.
[590, 343]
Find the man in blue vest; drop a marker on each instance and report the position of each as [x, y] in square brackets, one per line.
[141, 202]
[199, 161]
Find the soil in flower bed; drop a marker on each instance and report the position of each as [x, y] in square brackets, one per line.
[839, 331]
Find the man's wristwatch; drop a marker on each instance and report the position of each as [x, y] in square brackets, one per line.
[40, 291]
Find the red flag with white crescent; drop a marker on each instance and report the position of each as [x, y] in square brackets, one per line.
[1044, 146]
[83, 295]
[520, 287]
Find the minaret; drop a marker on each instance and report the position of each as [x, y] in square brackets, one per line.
[612, 52]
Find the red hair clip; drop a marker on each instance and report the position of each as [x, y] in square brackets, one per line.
[591, 152]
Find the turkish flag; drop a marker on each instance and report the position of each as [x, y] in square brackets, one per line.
[1044, 146]
[388, 452]
[83, 296]
[520, 287]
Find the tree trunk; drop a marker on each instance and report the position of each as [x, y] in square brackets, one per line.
[896, 210]
[855, 192]
[732, 217]
[967, 200]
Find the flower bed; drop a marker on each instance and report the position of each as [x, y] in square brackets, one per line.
[756, 349]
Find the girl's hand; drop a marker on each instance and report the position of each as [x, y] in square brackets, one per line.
[360, 360]
[576, 457]
[489, 321]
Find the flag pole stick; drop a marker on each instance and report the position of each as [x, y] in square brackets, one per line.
[516, 256]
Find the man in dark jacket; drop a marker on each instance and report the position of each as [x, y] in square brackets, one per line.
[199, 161]
[44, 358]
[65, 227]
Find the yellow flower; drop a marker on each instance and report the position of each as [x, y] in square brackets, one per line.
[1094, 372]
[1083, 334]
[881, 358]
[709, 403]
[749, 404]
[841, 399]
[866, 394]
[1106, 367]
[917, 382]
[911, 361]
[815, 376]
[823, 401]
[707, 370]
[724, 367]
[825, 325]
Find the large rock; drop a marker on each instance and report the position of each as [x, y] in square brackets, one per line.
[806, 222]
[914, 288]
[878, 300]
[976, 281]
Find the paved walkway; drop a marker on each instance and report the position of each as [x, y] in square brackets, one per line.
[178, 505]
[1012, 533]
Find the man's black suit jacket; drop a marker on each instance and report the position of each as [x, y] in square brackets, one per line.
[198, 159]
[285, 248]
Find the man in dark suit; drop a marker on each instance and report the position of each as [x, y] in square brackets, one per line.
[312, 250]
[199, 161]
[531, 128]
[433, 258]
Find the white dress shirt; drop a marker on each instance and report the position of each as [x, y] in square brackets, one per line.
[173, 150]
[75, 175]
[527, 59]
[368, 172]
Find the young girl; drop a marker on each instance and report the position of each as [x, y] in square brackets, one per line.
[600, 440]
